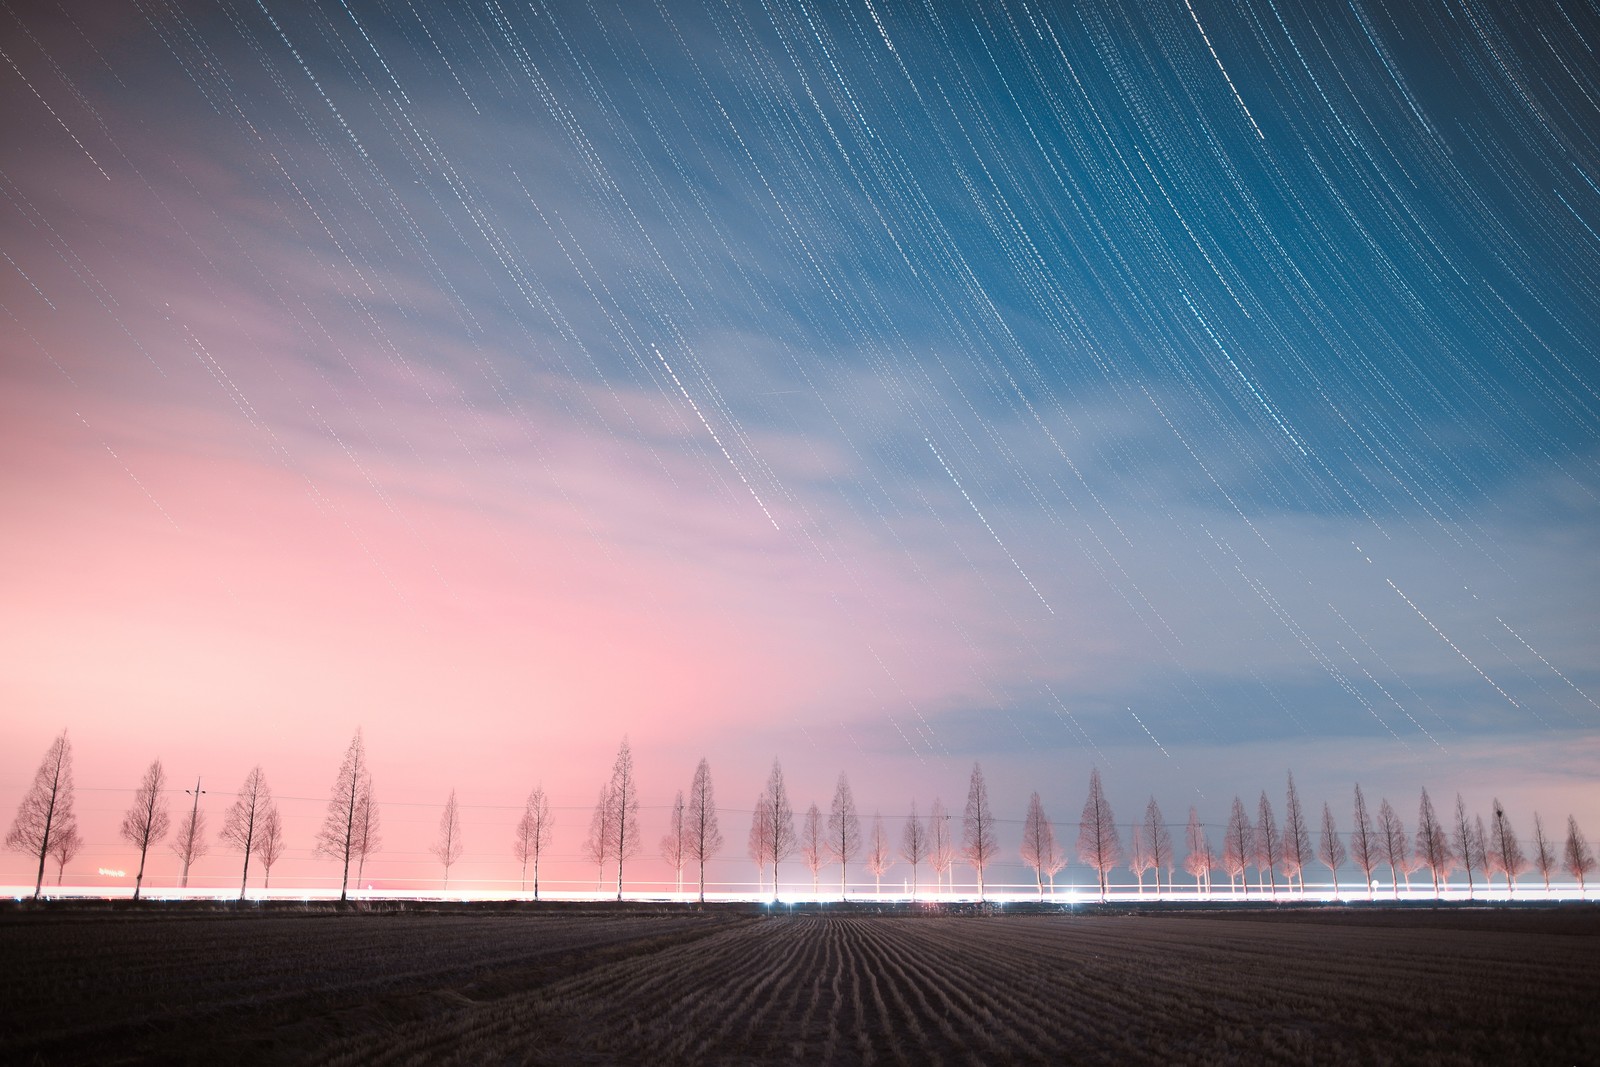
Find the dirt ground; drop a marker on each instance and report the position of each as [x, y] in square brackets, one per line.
[829, 984]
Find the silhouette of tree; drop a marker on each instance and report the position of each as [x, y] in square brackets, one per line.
[780, 818]
[1505, 851]
[189, 843]
[880, 857]
[760, 842]
[147, 821]
[1268, 845]
[1465, 843]
[1158, 839]
[1139, 859]
[270, 843]
[1039, 848]
[1544, 851]
[1237, 846]
[46, 808]
[623, 796]
[1433, 844]
[597, 848]
[340, 831]
[979, 846]
[449, 846]
[1580, 861]
[813, 844]
[1393, 846]
[1296, 838]
[1098, 843]
[1330, 850]
[242, 822]
[844, 830]
[941, 843]
[1200, 859]
[704, 838]
[366, 840]
[914, 845]
[533, 836]
[63, 847]
[672, 841]
[1363, 842]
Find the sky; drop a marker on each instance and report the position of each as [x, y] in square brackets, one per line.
[1197, 391]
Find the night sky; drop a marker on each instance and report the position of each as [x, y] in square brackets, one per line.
[1196, 390]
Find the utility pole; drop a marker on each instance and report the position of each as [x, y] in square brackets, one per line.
[193, 815]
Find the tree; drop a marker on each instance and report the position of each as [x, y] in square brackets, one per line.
[1392, 845]
[147, 821]
[1098, 843]
[672, 841]
[366, 840]
[1268, 845]
[913, 844]
[270, 846]
[340, 831]
[844, 830]
[1237, 846]
[624, 799]
[1580, 861]
[1158, 839]
[1296, 838]
[760, 842]
[880, 857]
[1139, 860]
[941, 845]
[597, 847]
[979, 846]
[1330, 850]
[1433, 845]
[533, 836]
[1465, 843]
[780, 841]
[704, 838]
[63, 847]
[1505, 851]
[46, 808]
[813, 845]
[242, 823]
[1364, 848]
[1544, 851]
[449, 846]
[1200, 859]
[189, 843]
[1039, 848]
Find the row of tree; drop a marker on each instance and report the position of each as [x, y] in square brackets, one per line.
[46, 827]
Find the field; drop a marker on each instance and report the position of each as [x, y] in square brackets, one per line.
[665, 984]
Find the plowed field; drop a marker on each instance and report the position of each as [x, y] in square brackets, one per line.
[826, 986]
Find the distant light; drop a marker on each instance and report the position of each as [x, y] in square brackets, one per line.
[109, 873]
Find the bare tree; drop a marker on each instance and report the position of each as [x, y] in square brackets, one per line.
[1039, 848]
[624, 795]
[189, 843]
[1580, 861]
[844, 830]
[704, 838]
[242, 822]
[1330, 850]
[1237, 846]
[63, 847]
[1098, 843]
[1158, 839]
[979, 845]
[1505, 851]
[913, 844]
[760, 842]
[365, 840]
[46, 808]
[1463, 842]
[672, 841]
[1364, 848]
[449, 846]
[1200, 859]
[270, 842]
[1268, 845]
[1296, 838]
[1433, 844]
[1544, 851]
[597, 848]
[533, 836]
[1393, 846]
[147, 821]
[813, 844]
[775, 800]
[941, 844]
[880, 857]
[1139, 860]
[339, 834]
